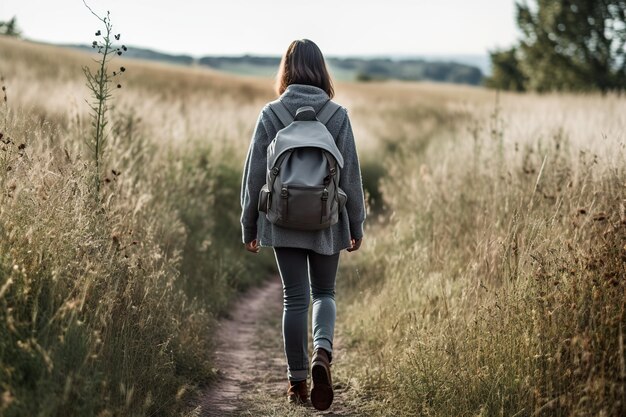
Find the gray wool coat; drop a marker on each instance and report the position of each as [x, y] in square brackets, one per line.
[255, 225]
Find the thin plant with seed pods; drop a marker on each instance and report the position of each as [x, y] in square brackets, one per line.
[5, 102]
[5, 141]
[99, 84]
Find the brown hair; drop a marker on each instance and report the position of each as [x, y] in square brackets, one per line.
[303, 63]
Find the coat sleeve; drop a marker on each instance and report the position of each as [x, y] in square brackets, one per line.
[350, 179]
[254, 173]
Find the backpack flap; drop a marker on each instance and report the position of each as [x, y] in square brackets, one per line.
[299, 135]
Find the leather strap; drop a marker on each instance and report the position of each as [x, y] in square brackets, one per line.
[327, 111]
[276, 168]
[332, 168]
[281, 111]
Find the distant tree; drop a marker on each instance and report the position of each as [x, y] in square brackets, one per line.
[573, 44]
[10, 28]
[465, 74]
[506, 73]
[586, 39]
[363, 76]
[378, 68]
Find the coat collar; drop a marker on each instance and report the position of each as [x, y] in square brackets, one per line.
[298, 95]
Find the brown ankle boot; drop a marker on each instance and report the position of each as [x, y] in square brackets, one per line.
[297, 392]
[322, 384]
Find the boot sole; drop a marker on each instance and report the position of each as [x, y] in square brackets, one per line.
[321, 391]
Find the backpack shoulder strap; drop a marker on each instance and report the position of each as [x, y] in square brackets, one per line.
[327, 111]
[281, 111]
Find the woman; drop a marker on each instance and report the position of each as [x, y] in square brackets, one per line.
[307, 260]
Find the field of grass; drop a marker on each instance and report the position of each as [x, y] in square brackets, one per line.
[491, 280]
[494, 282]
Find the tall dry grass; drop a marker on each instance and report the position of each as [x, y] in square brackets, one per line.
[108, 309]
[493, 285]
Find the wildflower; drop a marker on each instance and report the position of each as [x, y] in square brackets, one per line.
[119, 52]
[98, 33]
[117, 37]
[119, 86]
[124, 48]
[94, 44]
[21, 146]
[122, 69]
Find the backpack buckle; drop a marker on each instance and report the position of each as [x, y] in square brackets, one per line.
[333, 170]
[284, 193]
[325, 194]
[275, 170]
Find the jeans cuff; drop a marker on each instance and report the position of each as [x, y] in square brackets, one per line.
[324, 344]
[297, 374]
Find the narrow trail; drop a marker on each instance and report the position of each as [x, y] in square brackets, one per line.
[251, 362]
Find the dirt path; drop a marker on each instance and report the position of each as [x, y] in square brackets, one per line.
[252, 365]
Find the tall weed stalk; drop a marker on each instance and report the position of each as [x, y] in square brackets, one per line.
[100, 84]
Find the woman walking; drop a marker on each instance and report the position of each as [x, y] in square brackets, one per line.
[307, 259]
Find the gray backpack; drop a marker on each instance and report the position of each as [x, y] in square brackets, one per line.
[303, 164]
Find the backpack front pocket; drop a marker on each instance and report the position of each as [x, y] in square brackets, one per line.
[304, 206]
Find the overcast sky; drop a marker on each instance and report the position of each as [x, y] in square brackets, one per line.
[232, 27]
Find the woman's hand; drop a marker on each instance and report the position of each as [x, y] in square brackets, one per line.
[356, 244]
[253, 246]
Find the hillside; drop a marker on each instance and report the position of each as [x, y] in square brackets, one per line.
[359, 69]
[346, 69]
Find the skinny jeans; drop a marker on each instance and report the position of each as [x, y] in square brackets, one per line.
[305, 273]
